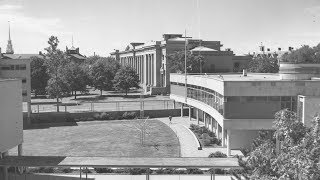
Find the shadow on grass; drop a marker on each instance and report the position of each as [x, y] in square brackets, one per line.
[49, 125]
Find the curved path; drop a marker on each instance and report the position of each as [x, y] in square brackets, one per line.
[188, 144]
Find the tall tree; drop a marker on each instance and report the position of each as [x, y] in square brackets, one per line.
[55, 62]
[298, 156]
[76, 77]
[39, 75]
[102, 73]
[125, 79]
[263, 64]
[176, 62]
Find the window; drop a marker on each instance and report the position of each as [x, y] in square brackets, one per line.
[24, 80]
[23, 67]
[24, 93]
[274, 98]
[11, 67]
[5, 67]
[17, 67]
[233, 99]
[261, 98]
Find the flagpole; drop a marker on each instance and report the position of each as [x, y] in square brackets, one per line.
[185, 63]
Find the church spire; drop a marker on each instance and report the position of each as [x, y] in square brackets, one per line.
[9, 49]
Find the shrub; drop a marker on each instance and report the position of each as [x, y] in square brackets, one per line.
[129, 115]
[245, 151]
[102, 116]
[217, 154]
[46, 170]
[67, 170]
[86, 171]
[137, 171]
[194, 171]
[103, 170]
[216, 141]
[218, 171]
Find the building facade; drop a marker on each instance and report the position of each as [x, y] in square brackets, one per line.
[237, 106]
[151, 64]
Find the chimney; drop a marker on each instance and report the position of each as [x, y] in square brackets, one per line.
[244, 73]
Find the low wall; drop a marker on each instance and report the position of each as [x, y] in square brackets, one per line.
[159, 90]
[60, 117]
[43, 177]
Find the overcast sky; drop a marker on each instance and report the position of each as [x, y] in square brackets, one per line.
[103, 25]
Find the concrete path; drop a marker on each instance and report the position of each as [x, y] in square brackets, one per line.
[188, 142]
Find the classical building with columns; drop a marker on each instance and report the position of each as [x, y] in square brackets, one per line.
[237, 106]
[150, 59]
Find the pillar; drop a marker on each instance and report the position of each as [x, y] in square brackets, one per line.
[205, 119]
[197, 116]
[5, 168]
[211, 119]
[190, 113]
[181, 113]
[147, 69]
[229, 142]
[20, 150]
[217, 129]
[223, 136]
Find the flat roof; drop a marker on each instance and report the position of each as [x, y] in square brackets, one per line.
[240, 77]
[119, 162]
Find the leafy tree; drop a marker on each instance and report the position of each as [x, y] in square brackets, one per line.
[76, 77]
[263, 64]
[304, 54]
[102, 73]
[176, 62]
[56, 62]
[299, 153]
[125, 79]
[39, 75]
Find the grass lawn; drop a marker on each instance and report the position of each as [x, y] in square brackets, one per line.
[101, 138]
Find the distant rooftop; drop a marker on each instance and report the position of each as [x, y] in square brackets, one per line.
[240, 77]
[20, 56]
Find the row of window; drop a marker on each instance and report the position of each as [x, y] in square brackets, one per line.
[214, 100]
[14, 67]
[24, 93]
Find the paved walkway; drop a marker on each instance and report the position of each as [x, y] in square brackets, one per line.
[188, 142]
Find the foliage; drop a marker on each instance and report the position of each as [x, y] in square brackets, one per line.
[217, 154]
[102, 73]
[176, 62]
[263, 64]
[194, 171]
[76, 77]
[137, 171]
[125, 79]
[297, 157]
[304, 54]
[39, 75]
[206, 137]
[55, 63]
[102, 116]
[103, 170]
[129, 115]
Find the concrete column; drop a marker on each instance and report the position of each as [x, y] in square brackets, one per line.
[147, 69]
[197, 116]
[20, 150]
[205, 119]
[181, 110]
[223, 143]
[229, 142]
[217, 129]
[211, 119]
[190, 113]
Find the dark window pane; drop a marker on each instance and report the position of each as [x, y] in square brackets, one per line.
[261, 98]
[274, 98]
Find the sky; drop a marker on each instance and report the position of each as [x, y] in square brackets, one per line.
[101, 26]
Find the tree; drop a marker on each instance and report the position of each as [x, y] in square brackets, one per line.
[263, 64]
[56, 62]
[102, 73]
[304, 54]
[76, 77]
[125, 79]
[39, 75]
[176, 62]
[299, 153]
